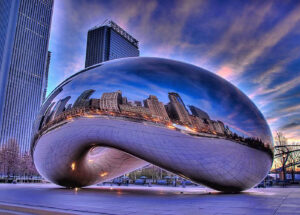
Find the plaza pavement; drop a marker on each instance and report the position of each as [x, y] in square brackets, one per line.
[51, 199]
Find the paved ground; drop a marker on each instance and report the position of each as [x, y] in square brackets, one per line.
[51, 199]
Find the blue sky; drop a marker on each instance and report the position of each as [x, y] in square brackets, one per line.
[253, 44]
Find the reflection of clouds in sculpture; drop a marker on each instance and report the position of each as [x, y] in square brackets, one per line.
[137, 79]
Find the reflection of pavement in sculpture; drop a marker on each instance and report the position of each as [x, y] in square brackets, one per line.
[218, 163]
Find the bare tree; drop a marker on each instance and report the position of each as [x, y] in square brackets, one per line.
[14, 163]
[280, 148]
[9, 155]
[293, 158]
[289, 155]
[27, 166]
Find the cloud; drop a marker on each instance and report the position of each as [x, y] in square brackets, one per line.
[243, 27]
[272, 37]
[167, 32]
[290, 109]
[294, 125]
[292, 136]
[226, 72]
[276, 90]
[246, 50]
[278, 67]
[272, 120]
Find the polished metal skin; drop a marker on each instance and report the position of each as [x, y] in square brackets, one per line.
[115, 117]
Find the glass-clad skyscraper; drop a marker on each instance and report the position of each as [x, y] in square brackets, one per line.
[24, 30]
[46, 76]
[107, 42]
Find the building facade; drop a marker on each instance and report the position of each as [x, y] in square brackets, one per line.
[25, 28]
[177, 110]
[8, 22]
[156, 108]
[199, 124]
[60, 106]
[83, 99]
[108, 42]
[111, 101]
[198, 112]
[134, 109]
[46, 76]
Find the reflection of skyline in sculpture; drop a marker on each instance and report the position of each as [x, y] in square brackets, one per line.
[198, 112]
[140, 117]
[110, 101]
[156, 108]
[177, 109]
[196, 123]
[59, 107]
[83, 98]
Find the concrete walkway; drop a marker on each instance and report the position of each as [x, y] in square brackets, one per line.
[51, 199]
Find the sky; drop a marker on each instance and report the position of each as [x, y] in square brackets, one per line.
[253, 44]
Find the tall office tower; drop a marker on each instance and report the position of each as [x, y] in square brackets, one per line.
[137, 103]
[60, 107]
[111, 101]
[83, 99]
[24, 29]
[45, 84]
[198, 112]
[177, 109]
[107, 42]
[156, 108]
[124, 100]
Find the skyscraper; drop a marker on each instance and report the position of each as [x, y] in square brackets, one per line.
[60, 106]
[198, 112]
[45, 84]
[177, 109]
[111, 101]
[156, 107]
[83, 99]
[24, 29]
[108, 42]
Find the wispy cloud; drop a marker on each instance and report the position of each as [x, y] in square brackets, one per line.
[237, 38]
[267, 76]
[164, 30]
[226, 72]
[276, 90]
[245, 45]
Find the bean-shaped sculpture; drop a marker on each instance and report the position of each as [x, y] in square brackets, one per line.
[112, 118]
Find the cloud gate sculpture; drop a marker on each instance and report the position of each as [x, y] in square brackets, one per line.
[118, 116]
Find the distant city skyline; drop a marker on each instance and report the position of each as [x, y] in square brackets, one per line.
[173, 115]
[253, 44]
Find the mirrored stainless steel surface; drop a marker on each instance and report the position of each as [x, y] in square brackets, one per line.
[110, 119]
